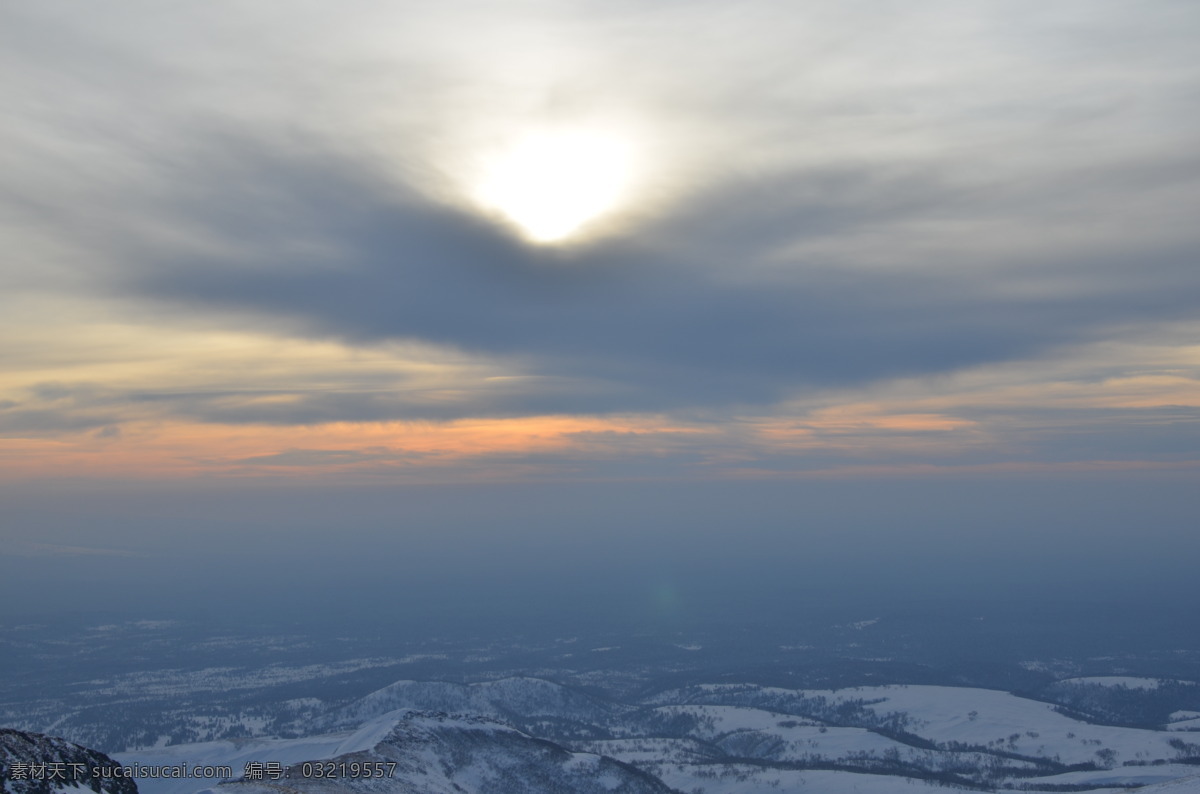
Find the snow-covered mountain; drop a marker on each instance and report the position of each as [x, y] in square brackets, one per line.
[704, 738]
[438, 753]
[33, 763]
[429, 751]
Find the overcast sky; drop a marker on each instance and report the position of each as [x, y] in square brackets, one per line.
[405, 244]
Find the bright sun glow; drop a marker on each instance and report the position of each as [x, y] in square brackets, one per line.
[551, 184]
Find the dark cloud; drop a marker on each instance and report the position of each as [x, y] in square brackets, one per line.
[700, 308]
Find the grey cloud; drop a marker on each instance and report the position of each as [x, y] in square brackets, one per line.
[699, 317]
[221, 210]
[55, 407]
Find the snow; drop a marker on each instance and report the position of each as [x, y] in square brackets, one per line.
[1014, 724]
[237, 754]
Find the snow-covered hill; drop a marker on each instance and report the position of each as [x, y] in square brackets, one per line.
[437, 753]
[706, 738]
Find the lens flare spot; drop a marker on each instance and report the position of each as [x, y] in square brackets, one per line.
[666, 599]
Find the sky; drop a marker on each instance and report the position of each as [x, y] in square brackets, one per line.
[720, 263]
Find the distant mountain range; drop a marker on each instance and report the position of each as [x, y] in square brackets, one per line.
[527, 734]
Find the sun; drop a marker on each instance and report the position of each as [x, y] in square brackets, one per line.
[552, 184]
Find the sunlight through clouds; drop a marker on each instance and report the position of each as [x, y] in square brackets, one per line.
[553, 184]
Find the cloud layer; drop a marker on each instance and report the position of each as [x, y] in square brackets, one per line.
[865, 236]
